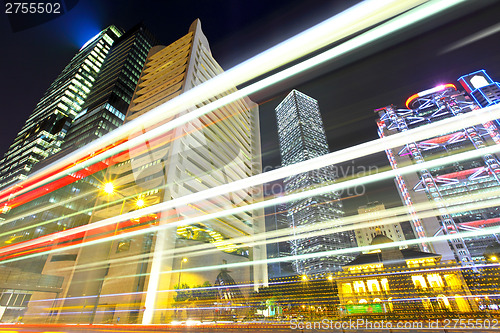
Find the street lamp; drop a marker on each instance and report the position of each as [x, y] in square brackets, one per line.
[180, 272]
[179, 284]
[109, 188]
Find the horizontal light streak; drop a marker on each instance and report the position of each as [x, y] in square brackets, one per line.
[351, 153]
[389, 216]
[374, 34]
[297, 196]
[352, 21]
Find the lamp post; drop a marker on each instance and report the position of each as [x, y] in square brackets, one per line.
[179, 285]
[180, 272]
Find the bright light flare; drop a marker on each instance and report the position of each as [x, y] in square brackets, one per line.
[109, 188]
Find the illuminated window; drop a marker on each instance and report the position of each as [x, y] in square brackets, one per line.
[435, 280]
[462, 304]
[385, 284]
[419, 282]
[443, 302]
[427, 303]
[346, 288]
[478, 81]
[391, 306]
[452, 280]
[373, 286]
[359, 287]
[362, 301]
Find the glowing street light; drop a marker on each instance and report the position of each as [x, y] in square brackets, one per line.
[140, 203]
[109, 188]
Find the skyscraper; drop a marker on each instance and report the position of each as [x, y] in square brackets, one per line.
[302, 137]
[104, 109]
[218, 148]
[46, 128]
[452, 184]
[107, 103]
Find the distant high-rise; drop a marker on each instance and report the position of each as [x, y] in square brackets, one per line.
[302, 137]
[46, 128]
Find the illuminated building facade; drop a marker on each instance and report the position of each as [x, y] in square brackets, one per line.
[302, 137]
[107, 103]
[403, 282]
[70, 206]
[452, 182]
[364, 236]
[46, 128]
[218, 148]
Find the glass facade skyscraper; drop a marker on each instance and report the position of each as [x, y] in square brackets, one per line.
[70, 206]
[46, 128]
[302, 137]
[108, 101]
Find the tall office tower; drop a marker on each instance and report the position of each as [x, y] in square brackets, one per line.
[107, 103]
[302, 137]
[364, 236]
[45, 129]
[448, 185]
[133, 278]
[70, 206]
[277, 222]
[104, 110]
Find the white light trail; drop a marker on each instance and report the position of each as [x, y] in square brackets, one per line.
[475, 201]
[369, 13]
[276, 201]
[351, 153]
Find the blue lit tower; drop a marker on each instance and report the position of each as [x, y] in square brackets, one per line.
[46, 127]
[445, 186]
[302, 137]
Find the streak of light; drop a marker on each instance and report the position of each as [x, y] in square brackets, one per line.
[330, 188]
[389, 216]
[250, 285]
[342, 25]
[472, 38]
[482, 232]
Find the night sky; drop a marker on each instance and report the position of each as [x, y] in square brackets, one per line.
[348, 90]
